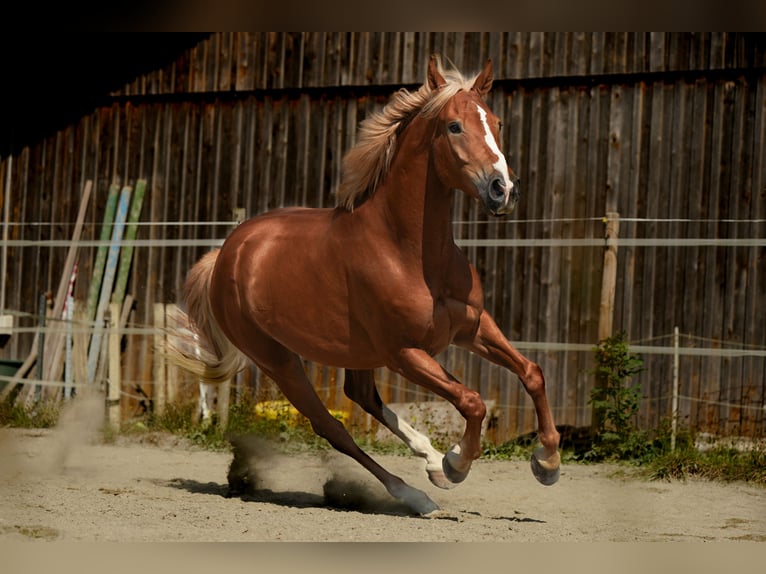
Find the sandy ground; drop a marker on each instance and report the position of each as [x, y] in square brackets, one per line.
[66, 485]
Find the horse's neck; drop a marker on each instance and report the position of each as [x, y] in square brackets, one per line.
[416, 206]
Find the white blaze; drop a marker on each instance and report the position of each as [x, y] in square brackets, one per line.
[500, 165]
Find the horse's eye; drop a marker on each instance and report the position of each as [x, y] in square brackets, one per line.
[455, 128]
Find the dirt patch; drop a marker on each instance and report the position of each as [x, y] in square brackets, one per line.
[56, 485]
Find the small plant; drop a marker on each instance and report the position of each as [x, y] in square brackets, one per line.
[722, 464]
[40, 414]
[615, 402]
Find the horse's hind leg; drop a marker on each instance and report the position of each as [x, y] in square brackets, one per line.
[286, 369]
[360, 388]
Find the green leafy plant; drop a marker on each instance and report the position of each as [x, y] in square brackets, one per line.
[615, 402]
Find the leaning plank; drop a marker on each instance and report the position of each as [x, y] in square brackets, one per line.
[54, 345]
[98, 266]
[58, 304]
[126, 254]
[108, 282]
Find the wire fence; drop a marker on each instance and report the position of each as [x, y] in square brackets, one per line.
[693, 345]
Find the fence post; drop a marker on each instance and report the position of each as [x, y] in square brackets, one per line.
[115, 375]
[608, 286]
[674, 414]
[158, 364]
[171, 371]
[41, 311]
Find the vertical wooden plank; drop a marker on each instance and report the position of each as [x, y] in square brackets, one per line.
[736, 259]
[159, 391]
[243, 59]
[754, 373]
[172, 372]
[657, 54]
[115, 370]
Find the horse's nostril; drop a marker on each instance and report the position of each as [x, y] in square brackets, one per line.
[497, 189]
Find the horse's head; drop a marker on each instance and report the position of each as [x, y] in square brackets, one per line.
[466, 147]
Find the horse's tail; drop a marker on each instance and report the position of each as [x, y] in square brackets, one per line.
[200, 346]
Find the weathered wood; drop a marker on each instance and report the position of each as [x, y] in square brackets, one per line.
[115, 369]
[98, 267]
[126, 253]
[609, 280]
[61, 293]
[606, 309]
[172, 374]
[159, 390]
[118, 230]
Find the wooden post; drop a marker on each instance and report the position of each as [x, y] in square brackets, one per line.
[115, 376]
[608, 285]
[171, 371]
[223, 393]
[158, 365]
[609, 277]
[68, 362]
[674, 413]
[42, 312]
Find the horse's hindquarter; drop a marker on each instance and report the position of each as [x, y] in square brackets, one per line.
[282, 274]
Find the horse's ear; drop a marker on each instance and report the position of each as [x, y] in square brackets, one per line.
[435, 79]
[483, 81]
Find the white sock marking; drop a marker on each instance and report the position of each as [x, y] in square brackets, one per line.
[418, 443]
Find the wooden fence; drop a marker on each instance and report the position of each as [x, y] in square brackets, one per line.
[668, 130]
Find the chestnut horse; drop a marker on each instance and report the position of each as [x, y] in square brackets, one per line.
[376, 281]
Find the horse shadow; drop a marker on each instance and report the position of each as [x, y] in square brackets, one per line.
[246, 480]
[339, 495]
[345, 496]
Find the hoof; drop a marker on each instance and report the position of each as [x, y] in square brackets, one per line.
[546, 471]
[418, 501]
[439, 478]
[453, 475]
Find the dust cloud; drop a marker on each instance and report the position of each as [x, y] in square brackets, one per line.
[79, 425]
[259, 471]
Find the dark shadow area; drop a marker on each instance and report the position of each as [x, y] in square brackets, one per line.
[338, 495]
[52, 80]
[255, 459]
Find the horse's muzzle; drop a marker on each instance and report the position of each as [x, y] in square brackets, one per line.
[500, 197]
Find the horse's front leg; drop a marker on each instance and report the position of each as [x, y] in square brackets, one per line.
[419, 367]
[490, 343]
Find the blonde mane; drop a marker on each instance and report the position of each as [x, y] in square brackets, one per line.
[366, 164]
